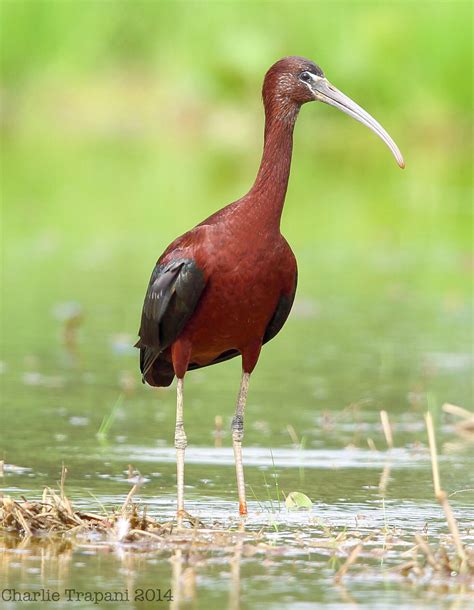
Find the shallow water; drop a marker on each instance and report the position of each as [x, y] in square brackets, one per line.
[307, 438]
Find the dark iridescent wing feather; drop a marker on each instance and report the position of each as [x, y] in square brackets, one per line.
[172, 296]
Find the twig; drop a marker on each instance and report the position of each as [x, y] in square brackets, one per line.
[458, 411]
[130, 495]
[23, 522]
[387, 429]
[371, 444]
[63, 481]
[146, 533]
[292, 432]
[384, 477]
[425, 547]
[433, 454]
[349, 561]
[441, 495]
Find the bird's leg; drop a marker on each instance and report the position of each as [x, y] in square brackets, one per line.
[180, 442]
[180, 354]
[237, 436]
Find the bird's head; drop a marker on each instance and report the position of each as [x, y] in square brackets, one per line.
[293, 81]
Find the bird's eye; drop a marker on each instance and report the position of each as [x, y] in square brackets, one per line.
[305, 76]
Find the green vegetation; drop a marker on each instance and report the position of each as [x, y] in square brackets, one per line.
[124, 124]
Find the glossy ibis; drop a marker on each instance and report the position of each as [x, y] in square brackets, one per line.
[226, 287]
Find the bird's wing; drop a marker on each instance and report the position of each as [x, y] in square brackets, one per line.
[280, 314]
[172, 296]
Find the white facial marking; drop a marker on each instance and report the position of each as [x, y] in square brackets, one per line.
[314, 80]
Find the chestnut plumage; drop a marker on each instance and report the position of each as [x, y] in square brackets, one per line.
[227, 286]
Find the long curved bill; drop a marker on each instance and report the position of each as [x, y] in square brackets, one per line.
[327, 93]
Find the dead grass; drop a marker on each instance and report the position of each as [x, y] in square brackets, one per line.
[55, 518]
[54, 515]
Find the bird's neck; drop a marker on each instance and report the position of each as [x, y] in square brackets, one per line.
[267, 194]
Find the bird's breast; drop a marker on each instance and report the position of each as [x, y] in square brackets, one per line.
[243, 287]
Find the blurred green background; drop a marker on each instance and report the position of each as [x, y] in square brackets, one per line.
[126, 123]
[123, 125]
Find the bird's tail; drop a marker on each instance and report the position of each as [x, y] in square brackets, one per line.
[155, 368]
